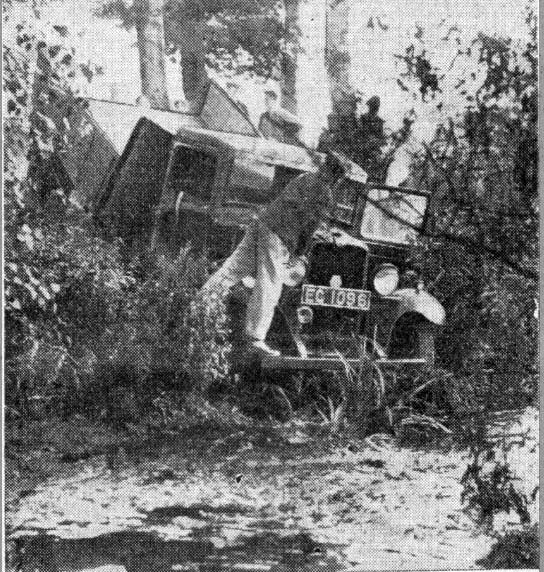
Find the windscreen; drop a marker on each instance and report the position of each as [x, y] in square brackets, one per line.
[220, 113]
[393, 215]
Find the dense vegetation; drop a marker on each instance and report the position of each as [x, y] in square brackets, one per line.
[76, 311]
[483, 234]
[85, 329]
[97, 344]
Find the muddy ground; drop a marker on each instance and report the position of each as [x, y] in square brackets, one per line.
[261, 501]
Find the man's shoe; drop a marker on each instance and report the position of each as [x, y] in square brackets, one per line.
[263, 349]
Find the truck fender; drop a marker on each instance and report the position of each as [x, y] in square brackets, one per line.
[421, 302]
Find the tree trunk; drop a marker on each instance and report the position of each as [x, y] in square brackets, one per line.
[150, 35]
[289, 60]
[190, 35]
[337, 56]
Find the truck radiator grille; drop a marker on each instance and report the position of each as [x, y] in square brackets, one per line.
[327, 260]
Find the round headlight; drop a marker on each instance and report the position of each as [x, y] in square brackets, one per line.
[386, 279]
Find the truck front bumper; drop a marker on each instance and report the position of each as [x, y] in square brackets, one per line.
[328, 363]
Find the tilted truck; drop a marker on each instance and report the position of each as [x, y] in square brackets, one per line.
[181, 179]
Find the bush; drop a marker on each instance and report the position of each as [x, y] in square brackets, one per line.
[488, 489]
[187, 331]
[64, 288]
[518, 549]
[106, 328]
[87, 331]
[481, 167]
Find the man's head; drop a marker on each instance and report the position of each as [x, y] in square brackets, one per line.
[143, 101]
[373, 105]
[334, 167]
[270, 99]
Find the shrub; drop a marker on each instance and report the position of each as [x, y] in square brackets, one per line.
[64, 288]
[87, 331]
[106, 328]
[481, 167]
[488, 490]
[517, 549]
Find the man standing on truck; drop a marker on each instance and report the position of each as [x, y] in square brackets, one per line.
[273, 243]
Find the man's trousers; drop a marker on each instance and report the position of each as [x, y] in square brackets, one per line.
[262, 255]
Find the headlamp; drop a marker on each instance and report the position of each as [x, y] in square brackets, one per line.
[386, 279]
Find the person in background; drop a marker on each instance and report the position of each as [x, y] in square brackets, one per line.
[278, 123]
[370, 122]
[341, 132]
[401, 155]
[275, 242]
[370, 139]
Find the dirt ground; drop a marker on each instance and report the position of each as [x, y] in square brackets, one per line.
[261, 501]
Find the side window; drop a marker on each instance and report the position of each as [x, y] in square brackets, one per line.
[192, 173]
[282, 176]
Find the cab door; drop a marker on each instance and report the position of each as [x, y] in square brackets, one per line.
[194, 177]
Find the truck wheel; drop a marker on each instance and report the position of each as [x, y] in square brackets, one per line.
[413, 338]
[424, 343]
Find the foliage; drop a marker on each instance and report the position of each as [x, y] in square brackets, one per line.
[481, 168]
[107, 330]
[85, 330]
[516, 549]
[490, 486]
[351, 398]
[239, 35]
[488, 490]
[185, 331]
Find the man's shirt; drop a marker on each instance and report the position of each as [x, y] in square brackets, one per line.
[305, 203]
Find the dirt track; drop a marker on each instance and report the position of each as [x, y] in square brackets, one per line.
[250, 503]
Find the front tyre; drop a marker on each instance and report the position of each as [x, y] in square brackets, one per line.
[413, 338]
[424, 343]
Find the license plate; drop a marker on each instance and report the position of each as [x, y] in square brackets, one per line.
[335, 297]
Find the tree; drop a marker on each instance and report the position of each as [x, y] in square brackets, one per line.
[337, 58]
[148, 17]
[481, 168]
[289, 58]
[230, 36]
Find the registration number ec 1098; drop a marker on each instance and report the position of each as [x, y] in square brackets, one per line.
[335, 297]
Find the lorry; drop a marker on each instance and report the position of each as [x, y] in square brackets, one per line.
[180, 179]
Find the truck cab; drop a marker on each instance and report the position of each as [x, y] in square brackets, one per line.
[360, 297]
[191, 186]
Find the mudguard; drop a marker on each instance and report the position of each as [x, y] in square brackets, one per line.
[421, 302]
